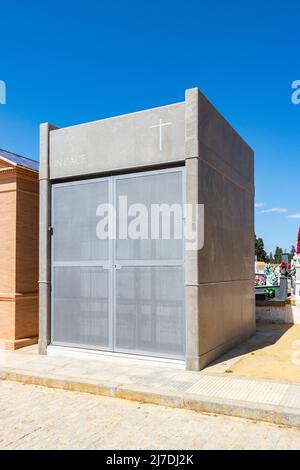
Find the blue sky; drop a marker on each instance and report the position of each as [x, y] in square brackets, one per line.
[71, 62]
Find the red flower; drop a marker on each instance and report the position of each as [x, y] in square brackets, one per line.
[298, 243]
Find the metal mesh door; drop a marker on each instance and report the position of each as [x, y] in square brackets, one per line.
[81, 280]
[149, 279]
[125, 295]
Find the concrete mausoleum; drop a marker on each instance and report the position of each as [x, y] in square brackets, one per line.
[157, 299]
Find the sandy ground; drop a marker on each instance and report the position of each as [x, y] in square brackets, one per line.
[277, 357]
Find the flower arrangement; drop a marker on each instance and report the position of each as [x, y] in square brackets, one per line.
[260, 281]
[272, 275]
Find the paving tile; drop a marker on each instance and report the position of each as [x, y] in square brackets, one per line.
[292, 397]
[240, 389]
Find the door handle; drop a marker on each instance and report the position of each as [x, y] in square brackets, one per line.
[116, 266]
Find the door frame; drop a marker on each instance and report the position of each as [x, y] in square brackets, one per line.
[147, 263]
[105, 264]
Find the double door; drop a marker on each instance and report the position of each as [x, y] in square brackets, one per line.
[117, 292]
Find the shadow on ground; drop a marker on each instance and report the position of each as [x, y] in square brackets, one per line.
[273, 353]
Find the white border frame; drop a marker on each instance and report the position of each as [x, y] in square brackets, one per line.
[105, 264]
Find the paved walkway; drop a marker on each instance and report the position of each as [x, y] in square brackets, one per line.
[35, 417]
[211, 390]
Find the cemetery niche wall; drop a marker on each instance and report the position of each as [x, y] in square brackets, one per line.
[151, 299]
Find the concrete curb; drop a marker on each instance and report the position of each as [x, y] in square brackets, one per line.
[241, 409]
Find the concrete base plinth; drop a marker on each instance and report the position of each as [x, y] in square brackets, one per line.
[18, 320]
[278, 312]
[12, 345]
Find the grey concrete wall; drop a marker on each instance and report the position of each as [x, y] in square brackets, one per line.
[220, 278]
[44, 240]
[193, 332]
[118, 143]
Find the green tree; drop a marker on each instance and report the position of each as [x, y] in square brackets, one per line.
[260, 249]
[278, 255]
[293, 251]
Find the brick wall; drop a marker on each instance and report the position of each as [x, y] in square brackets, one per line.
[18, 256]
